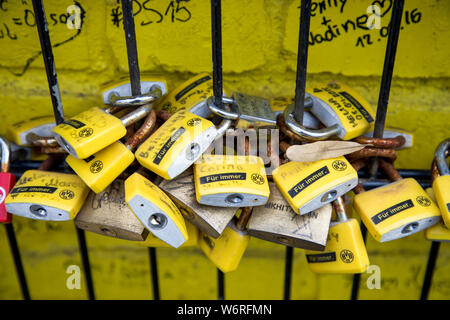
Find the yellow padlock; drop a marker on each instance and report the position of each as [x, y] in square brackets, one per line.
[45, 195]
[441, 184]
[39, 126]
[155, 210]
[191, 96]
[231, 181]
[396, 210]
[100, 169]
[154, 241]
[337, 104]
[226, 251]
[345, 251]
[95, 129]
[177, 144]
[308, 186]
[438, 232]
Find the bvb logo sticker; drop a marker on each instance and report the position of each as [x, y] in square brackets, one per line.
[346, 256]
[424, 202]
[96, 167]
[257, 178]
[86, 132]
[339, 165]
[194, 121]
[66, 194]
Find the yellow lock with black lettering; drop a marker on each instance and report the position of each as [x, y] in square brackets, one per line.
[155, 210]
[438, 232]
[345, 251]
[308, 186]
[337, 104]
[231, 181]
[191, 95]
[154, 241]
[99, 170]
[176, 145]
[121, 87]
[89, 132]
[45, 195]
[396, 210]
[227, 250]
[40, 126]
[441, 184]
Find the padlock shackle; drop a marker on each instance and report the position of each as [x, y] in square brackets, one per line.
[133, 101]
[6, 154]
[306, 133]
[389, 143]
[389, 170]
[339, 208]
[440, 158]
[243, 218]
[143, 132]
[39, 141]
[136, 115]
[226, 114]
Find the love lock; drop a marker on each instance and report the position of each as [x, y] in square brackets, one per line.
[345, 113]
[94, 129]
[210, 220]
[108, 214]
[7, 180]
[441, 184]
[345, 251]
[277, 222]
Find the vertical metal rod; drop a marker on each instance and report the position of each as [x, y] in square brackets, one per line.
[17, 261]
[388, 69]
[154, 272]
[357, 277]
[302, 60]
[220, 285]
[216, 34]
[288, 273]
[86, 264]
[130, 37]
[428, 279]
[49, 61]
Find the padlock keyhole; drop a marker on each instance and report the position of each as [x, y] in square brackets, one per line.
[193, 151]
[329, 196]
[38, 211]
[410, 227]
[234, 198]
[157, 221]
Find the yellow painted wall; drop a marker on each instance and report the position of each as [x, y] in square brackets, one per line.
[259, 55]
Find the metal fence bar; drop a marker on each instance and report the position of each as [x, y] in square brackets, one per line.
[288, 273]
[17, 261]
[431, 264]
[130, 37]
[58, 112]
[154, 273]
[302, 60]
[49, 61]
[383, 101]
[86, 264]
[135, 82]
[220, 285]
[216, 36]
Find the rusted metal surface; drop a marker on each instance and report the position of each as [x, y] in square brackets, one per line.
[143, 133]
[389, 170]
[389, 143]
[372, 152]
[242, 222]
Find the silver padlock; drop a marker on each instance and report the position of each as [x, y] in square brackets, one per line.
[277, 222]
[209, 220]
[121, 96]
